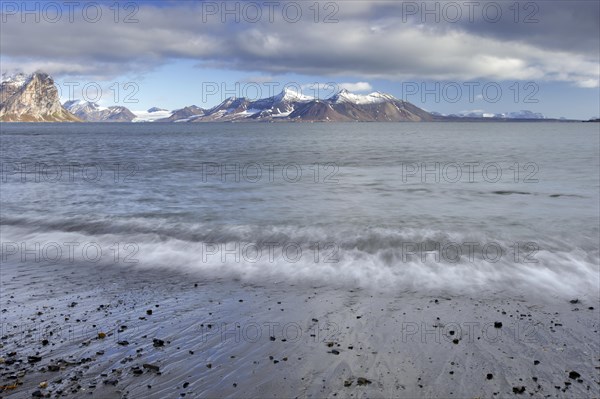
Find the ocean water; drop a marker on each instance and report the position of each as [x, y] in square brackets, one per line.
[455, 207]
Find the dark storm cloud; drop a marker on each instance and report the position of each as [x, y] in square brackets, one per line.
[389, 40]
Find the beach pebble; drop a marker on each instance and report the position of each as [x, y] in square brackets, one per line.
[519, 390]
[498, 324]
[362, 381]
[574, 375]
[152, 367]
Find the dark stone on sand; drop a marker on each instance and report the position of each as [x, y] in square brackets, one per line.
[137, 371]
[498, 324]
[489, 376]
[455, 341]
[574, 375]
[574, 301]
[186, 384]
[335, 352]
[110, 382]
[45, 342]
[37, 394]
[518, 390]
[158, 342]
[536, 362]
[53, 367]
[152, 367]
[123, 343]
[209, 365]
[362, 381]
[34, 359]
[149, 311]
[347, 383]
[272, 338]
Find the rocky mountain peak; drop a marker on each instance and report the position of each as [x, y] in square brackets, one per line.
[31, 98]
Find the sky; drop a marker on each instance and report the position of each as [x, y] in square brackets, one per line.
[443, 56]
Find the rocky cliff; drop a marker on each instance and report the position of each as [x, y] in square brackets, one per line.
[31, 98]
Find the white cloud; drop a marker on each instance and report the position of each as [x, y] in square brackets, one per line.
[356, 87]
[396, 50]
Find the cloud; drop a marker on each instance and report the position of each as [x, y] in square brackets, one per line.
[358, 86]
[371, 40]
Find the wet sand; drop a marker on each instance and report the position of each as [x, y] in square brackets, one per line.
[115, 332]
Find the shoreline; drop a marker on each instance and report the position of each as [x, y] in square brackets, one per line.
[207, 338]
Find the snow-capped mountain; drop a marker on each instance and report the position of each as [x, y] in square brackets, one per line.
[374, 107]
[523, 114]
[31, 98]
[184, 114]
[92, 112]
[290, 105]
[155, 109]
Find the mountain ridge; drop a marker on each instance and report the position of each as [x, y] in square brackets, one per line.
[34, 98]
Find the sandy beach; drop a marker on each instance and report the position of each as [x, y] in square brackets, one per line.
[116, 332]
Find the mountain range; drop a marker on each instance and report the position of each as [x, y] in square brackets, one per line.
[34, 98]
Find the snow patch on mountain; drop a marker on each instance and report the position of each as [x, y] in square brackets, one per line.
[16, 80]
[291, 95]
[344, 96]
[151, 115]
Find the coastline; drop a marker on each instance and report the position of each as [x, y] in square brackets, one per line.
[233, 339]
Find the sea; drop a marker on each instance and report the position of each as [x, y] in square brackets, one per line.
[452, 207]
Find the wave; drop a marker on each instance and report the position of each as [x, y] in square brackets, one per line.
[370, 258]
